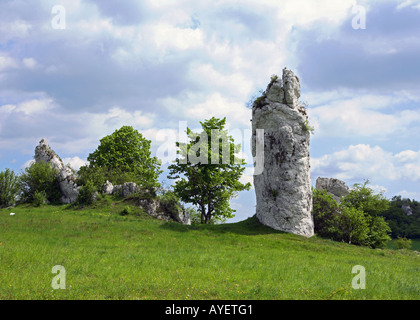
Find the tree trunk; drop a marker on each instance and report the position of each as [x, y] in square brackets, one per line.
[203, 214]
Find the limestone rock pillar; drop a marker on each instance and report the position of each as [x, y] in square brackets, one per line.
[283, 189]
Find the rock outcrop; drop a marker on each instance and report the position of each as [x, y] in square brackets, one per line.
[158, 209]
[283, 189]
[335, 187]
[125, 190]
[165, 211]
[70, 190]
[66, 176]
[407, 209]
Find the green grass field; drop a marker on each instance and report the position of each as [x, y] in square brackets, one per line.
[109, 256]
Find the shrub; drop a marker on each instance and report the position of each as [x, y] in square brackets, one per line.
[403, 243]
[353, 226]
[378, 232]
[39, 198]
[325, 212]
[355, 220]
[9, 188]
[307, 127]
[126, 211]
[195, 216]
[86, 193]
[40, 176]
[363, 198]
[170, 200]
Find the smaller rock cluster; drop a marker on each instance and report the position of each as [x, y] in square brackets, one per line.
[67, 180]
[335, 187]
[407, 209]
[125, 190]
[157, 209]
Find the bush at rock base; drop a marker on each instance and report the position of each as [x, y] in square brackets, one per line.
[349, 222]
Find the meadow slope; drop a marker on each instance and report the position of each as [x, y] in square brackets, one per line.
[109, 256]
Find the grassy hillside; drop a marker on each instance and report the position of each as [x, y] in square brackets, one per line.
[109, 256]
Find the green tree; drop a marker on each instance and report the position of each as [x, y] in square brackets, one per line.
[355, 220]
[123, 156]
[325, 213]
[373, 205]
[40, 178]
[9, 188]
[207, 170]
[401, 224]
[379, 231]
[353, 226]
[362, 197]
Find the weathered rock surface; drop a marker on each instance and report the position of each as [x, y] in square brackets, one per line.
[153, 207]
[337, 188]
[108, 188]
[69, 189]
[66, 176]
[283, 190]
[407, 209]
[125, 190]
[165, 212]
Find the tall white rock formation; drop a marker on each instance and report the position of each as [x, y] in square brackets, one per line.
[283, 189]
[66, 177]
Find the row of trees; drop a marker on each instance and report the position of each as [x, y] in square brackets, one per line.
[125, 156]
[37, 184]
[403, 225]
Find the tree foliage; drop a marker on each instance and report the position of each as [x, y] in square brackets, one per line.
[362, 197]
[355, 220]
[403, 225]
[9, 188]
[123, 156]
[207, 170]
[40, 178]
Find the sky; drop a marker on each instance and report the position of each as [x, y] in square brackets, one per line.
[74, 71]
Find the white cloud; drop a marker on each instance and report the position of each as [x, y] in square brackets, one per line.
[378, 189]
[169, 37]
[7, 62]
[216, 105]
[246, 178]
[364, 115]
[30, 63]
[17, 29]
[35, 106]
[74, 162]
[27, 164]
[365, 162]
[102, 124]
[409, 194]
[233, 84]
[29, 107]
[305, 12]
[409, 3]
